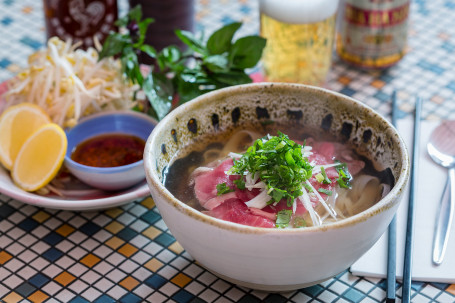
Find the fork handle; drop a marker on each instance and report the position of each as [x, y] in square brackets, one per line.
[444, 220]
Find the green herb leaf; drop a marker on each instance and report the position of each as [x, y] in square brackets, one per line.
[220, 41]
[222, 189]
[247, 51]
[326, 179]
[283, 217]
[344, 177]
[189, 39]
[159, 91]
[325, 191]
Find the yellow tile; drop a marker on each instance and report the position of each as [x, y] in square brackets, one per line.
[41, 216]
[148, 202]
[27, 9]
[181, 280]
[127, 250]
[4, 257]
[152, 232]
[451, 289]
[176, 247]
[153, 265]
[90, 260]
[12, 298]
[64, 278]
[114, 242]
[38, 297]
[65, 230]
[113, 212]
[378, 83]
[114, 227]
[344, 80]
[129, 283]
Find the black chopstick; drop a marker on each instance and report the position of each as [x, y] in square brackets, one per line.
[392, 232]
[406, 293]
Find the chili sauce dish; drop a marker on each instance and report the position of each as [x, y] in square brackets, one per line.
[276, 186]
[105, 150]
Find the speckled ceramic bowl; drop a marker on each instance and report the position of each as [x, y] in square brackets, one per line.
[275, 259]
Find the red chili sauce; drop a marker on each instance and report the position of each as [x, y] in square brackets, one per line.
[109, 150]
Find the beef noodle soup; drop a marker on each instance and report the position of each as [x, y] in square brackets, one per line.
[270, 179]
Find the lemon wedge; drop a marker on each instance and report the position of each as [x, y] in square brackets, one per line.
[40, 157]
[17, 123]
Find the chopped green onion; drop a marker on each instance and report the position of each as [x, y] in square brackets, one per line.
[222, 189]
[325, 191]
[283, 217]
[326, 179]
[319, 177]
[344, 177]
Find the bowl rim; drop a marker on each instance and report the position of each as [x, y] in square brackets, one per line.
[105, 170]
[384, 204]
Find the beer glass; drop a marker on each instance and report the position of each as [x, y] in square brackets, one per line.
[300, 36]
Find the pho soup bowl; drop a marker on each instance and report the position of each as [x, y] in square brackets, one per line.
[274, 259]
[117, 123]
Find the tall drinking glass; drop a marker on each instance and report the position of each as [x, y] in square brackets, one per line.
[300, 37]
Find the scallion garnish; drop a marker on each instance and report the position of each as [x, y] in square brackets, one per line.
[222, 189]
[283, 217]
[280, 164]
[344, 177]
[325, 191]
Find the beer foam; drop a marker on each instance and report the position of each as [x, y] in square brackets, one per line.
[298, 11]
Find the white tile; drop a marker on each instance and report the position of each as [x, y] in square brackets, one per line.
[169, 289]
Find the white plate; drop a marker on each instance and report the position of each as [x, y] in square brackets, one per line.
[81, 197]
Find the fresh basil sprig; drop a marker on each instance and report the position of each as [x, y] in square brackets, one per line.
[178, 76]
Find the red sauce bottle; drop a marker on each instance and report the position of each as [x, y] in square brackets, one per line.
[80, 20]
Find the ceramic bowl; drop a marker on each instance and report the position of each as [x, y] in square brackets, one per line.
[275, 259]
[109, 178]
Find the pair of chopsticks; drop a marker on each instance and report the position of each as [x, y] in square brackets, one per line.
[391, 253]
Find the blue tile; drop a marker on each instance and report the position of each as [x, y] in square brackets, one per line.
[382, 96]
[5, 209]
[182, 296]
[151, 217]
[249, 299]
[130, 298]
[105, 299]
[451, 85]
[8, 2]
[53, 238]
[31, 43]
[38, 280]
[313, 291]
[28, 224]
[89, 228]
[155, 281]
[353, 295]
[441, 286]
[449, 47]
[127, 234]
[25, 289]
[417, 286]
[4, 63]
[246, 9]
[227, 19]
[165, 239]
[52, 254]
[79, 300]
[6, 21]
[347, 91]
[275, 298]
[431, 67]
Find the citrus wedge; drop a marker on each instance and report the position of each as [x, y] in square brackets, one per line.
[40, 157]
[17, 123]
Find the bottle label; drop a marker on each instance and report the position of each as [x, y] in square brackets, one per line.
[374, 33]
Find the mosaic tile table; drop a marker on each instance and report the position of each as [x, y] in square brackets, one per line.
[127, 254]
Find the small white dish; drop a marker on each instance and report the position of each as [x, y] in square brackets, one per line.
[81, 198]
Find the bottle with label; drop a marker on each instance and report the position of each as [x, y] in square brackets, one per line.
[80, 20]
[372, 34]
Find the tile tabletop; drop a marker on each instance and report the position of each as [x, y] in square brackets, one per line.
[127, 254]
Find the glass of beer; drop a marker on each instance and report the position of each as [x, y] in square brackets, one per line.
[300, 36]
